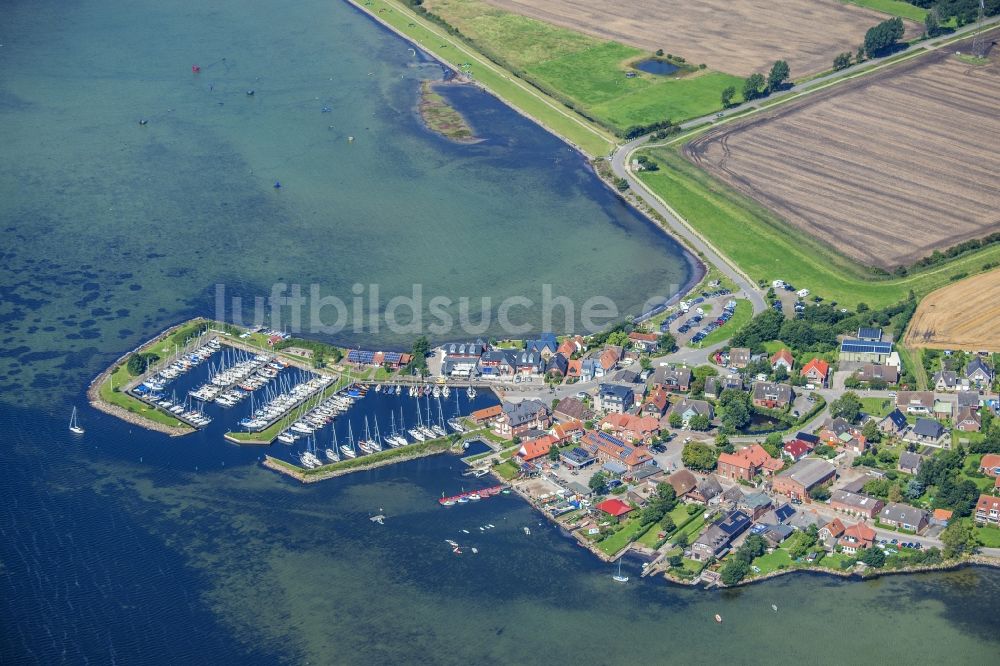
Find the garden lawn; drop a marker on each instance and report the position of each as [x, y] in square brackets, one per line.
[779, 559]
[990, 536]
[742, 315]
[621, 538]
[767, 248]
[835, 560]
[877, 406]
[506, 470]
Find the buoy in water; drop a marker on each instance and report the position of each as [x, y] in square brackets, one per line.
[195, 69]
[277, 184]
[350, 139]
[250, 92]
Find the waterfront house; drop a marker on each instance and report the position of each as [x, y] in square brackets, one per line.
[904, 517]
[739, 357]
[990, 465]
[545, 346]
[656, 403]
[572, 409]
[614, 398]
[803, 476]
[460, 359]
[646, 342]
[855, 504]
[486, 414]
[782, 359]
[673, 378]
[796, 450]
[816, 371]
[772, 395]
[987, 510]
[856, 538]
[746, 463]
[893, 423]
[915, 402]
[517, 418]
[528, 363]
[683, 482]
[830, 533]
[689, 408]
[717, 538]
[927, 432]
[497, 363]
[978, 373]
[614, 507]
[533, 449]
[968, 420]
[910, 462]
[775, 533]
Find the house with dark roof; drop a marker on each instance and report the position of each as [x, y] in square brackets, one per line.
[945, 381]
[517, 418]
[855, 504]
[714, 386]
[904, 517]
[716, 539]
[864, 351]
[497, 363]
[689, 408]
[611, 450]
[775, 533]
[968, 420]
[673, 378]
[927, 432]
[572, 409]
[706, 490]
[755, 505]
[546, 345]
[872, 372]
[772, 395]
[557, 366]
[739, 357]
[893, 423]
[915, 402]
[803, 476]
[778, 515]
[683, 482]
[968, 399]
[869, 334]
[978, 373]
[614, 398]
[577, 457]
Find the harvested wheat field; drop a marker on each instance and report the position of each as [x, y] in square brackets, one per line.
[734, 36]
[964, 315]
[886, 169]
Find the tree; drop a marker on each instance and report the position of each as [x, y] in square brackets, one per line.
[699, 456]
[597, 481]
[644, 363]
[958, 538]
[734, 571]
[667, 523]
[727, 96]
[772, 444]
[752, 548]
[676, 560]
[873, 557]
[880, 39]
[682, 540]
[914, 489]
[821, 493]
[421, 348]
[895, 494]
[847, 407]
[319, 358]
[699, 422]
[777, 76]
[667, 342]
[554, 453]
[723, 444]
[618, 338]
[753, 87]
[136, 364]
[842, 61]
[871, 432]
[676, 420]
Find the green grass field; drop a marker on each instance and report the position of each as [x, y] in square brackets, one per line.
[585, 72]
[621, 538]
[877, 406]
[767, 248]
[989, 536]
[742, 314]
[779, 559]
[894, 8]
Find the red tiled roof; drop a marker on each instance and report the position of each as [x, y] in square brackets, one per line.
[614, 507]
[835, 527]
[536, 448]
[643, 337]
[751, 456]
[796, 448]
[860, 532]
[486, 413]
[986, 503]
[819, 365]
[608, 359]
[989, 461]
[942, 514]
[564, 430]
[783, 354]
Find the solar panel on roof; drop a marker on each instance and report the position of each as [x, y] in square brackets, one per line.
[865, 347]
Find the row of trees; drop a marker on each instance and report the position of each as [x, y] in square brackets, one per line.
[756, 85]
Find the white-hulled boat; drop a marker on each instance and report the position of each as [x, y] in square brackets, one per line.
[74, 424]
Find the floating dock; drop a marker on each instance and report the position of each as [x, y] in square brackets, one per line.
[473, 495]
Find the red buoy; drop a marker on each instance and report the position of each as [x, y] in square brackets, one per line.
[195, 68]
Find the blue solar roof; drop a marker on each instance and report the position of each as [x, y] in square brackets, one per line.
[360, 356]
[391, 357]
[865, 347]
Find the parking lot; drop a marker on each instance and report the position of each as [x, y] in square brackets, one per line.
[695, 318]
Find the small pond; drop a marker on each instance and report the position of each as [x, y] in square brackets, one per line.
[762, 424]
[656, 66]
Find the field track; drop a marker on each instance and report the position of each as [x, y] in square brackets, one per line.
[964, 315]
[885, 169]
[734, 36]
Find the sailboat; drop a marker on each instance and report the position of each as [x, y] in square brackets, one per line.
[331, 453]
[376, 443]
[348, 449]
[365, 444]
[471, 392]
[618, 577]
[74, 425]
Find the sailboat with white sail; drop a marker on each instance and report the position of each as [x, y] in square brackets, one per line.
[74, 424]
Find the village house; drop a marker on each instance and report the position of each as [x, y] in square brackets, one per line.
[775, 533]
[857, 537]
[915, 402]
[990, 465]
[607, 360]
[683, 482]
[978, 373]
[486, 415]
[945, 381]
[840, 433]
[534, 449]
[855, 504]
[614, 507]
[496, 364]
[910, 462]
[780, 514]
[630, 427]
[609, 449]
[927, 432]
[754, 505]
[716, 539]
[816, 371]
[673, 378]
[739, 357]
[771, 395]
[987, 510]
[572, 409]
[894, 423]
[942, 410]
[746, 463]
[782, 359]
[870, 372]
[557, 367]
[941, 517]
[968, 420]
[545, 346]
[517, 418]
[867, 347]
[614, 398]
[803, 476]
[645, 342]
[656, 403]
[706, 490]
[714, 386]
[796, 450]
[968, 399]
[689, 408]
[571, 346]
[830, 533]
[460, 359]
[904, 516]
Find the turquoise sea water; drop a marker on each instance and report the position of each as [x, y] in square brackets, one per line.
[130, 547]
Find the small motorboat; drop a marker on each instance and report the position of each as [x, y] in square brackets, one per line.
[718, 618]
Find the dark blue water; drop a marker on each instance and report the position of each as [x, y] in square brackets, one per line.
[656, 66]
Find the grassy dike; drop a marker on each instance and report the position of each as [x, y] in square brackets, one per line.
[522, 96]
[766, 248]
[369, 461]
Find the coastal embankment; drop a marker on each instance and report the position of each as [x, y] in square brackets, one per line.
[371, 461]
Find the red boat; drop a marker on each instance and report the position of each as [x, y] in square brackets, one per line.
[195, 69]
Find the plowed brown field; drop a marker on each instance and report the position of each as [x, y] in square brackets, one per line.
[735, 36]
[885, 169]
[964, 315]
